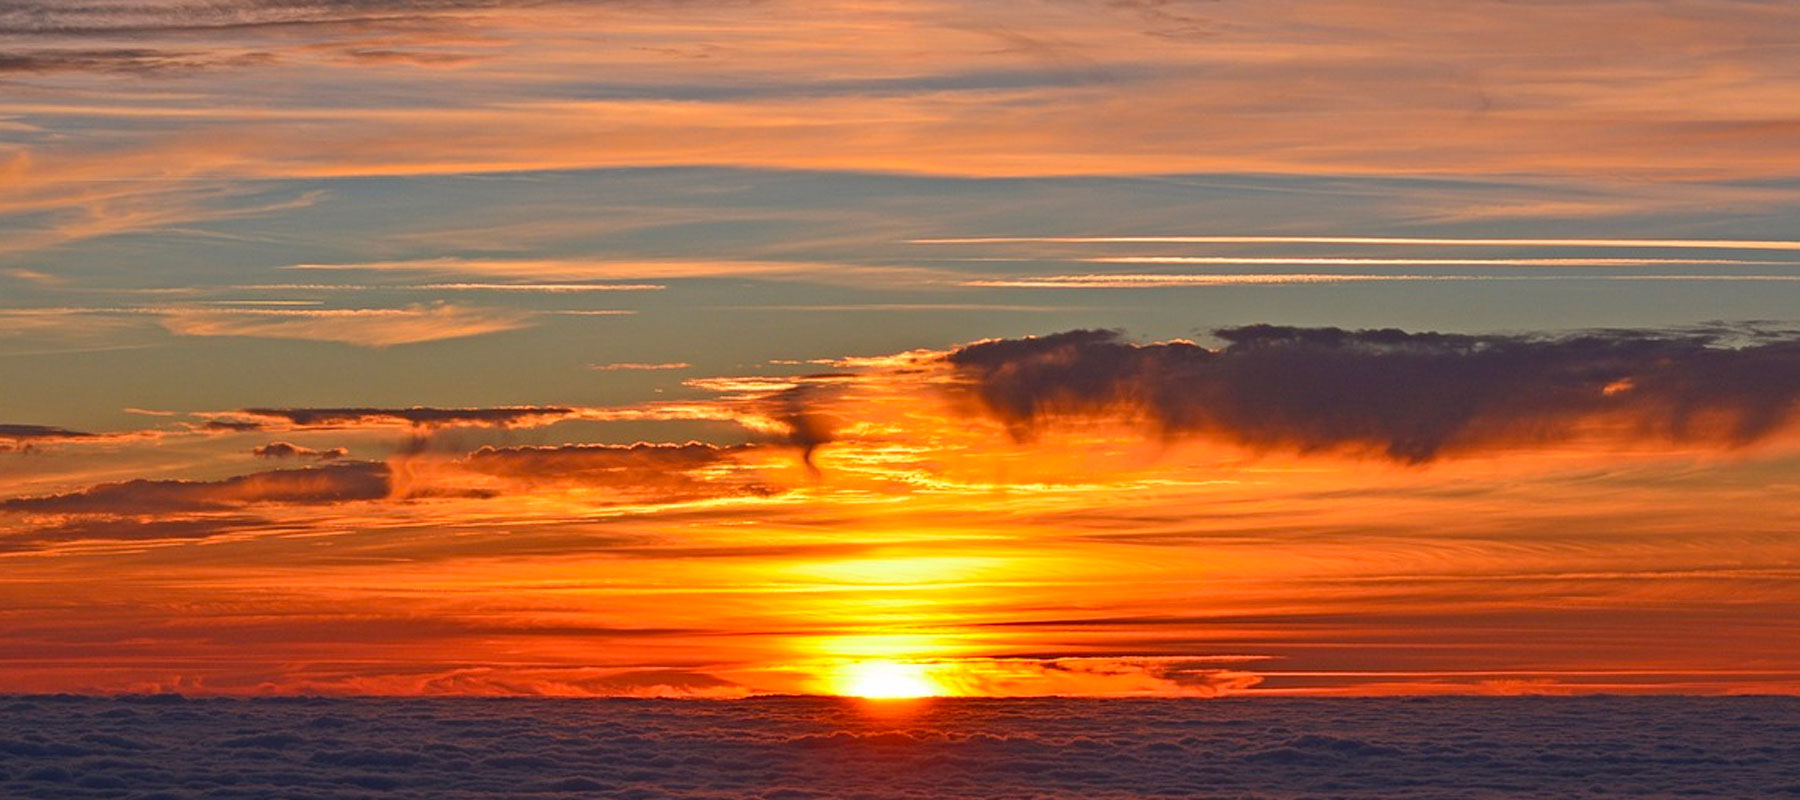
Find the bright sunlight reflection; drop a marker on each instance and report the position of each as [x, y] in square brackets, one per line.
[884, 680]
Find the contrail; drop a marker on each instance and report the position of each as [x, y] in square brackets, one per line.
[1138, 281]
[1436, 262]
[1679, 244]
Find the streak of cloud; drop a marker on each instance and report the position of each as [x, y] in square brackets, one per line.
[1677, 244]
[368, 327]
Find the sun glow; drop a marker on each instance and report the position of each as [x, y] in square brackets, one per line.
[885, 680]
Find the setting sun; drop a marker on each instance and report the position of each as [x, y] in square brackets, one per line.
[885, 680]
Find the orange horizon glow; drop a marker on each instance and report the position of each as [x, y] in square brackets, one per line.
[927, 553]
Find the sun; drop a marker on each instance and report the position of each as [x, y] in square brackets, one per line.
[885, 680]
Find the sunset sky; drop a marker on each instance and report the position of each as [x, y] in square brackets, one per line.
[1016, 347]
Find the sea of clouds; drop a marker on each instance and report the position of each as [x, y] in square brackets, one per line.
[165, 747]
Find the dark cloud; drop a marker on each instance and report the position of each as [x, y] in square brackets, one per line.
[291, 450]
[127, 529]
[26, 438]
[635, 473]
[1409, 396]
[798, 411]
[339, 483]
[228, 426]
[419, 416]
[26, 432]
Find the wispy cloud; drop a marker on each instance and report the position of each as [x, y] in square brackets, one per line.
[637, 366]
[1676, 244]
[597, 269]
[1155, 280]
[1140, 281]
[1432, 262]
[417, 416]
[370, 327]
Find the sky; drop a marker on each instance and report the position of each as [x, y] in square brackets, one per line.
[709, 348]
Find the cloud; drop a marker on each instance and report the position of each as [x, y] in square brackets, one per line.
[1149, 281]
[416, 58]
[636, 473]
[19, 433]
[317, 485]
[638, 366]
[1088, 676]
[417, 416]
[229, 426]
[15, 438]
[1409, 396]
[52, 17]
[640, 459]
[1164, 280]
[586, 475]
[137, 61]
[592, 269]
[368, 327]
[1434, 241]
[114, 528]
[807, 427]
[291, 450]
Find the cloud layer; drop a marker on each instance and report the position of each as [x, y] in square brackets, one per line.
[1058, 749]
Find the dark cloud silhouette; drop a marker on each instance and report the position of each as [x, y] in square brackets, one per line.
[229, 426]
[127, 528]
[338, 483]
[419, 416]
[798, 411]
[1409, 396]
[25, 438]
[641, 472]
[291, 450]
[25, 432]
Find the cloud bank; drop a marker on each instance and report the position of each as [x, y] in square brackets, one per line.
[802, 748]
[1412, 397]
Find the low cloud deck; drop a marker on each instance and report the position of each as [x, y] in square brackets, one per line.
[1602, 747]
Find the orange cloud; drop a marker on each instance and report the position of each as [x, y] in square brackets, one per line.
[369, 327]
